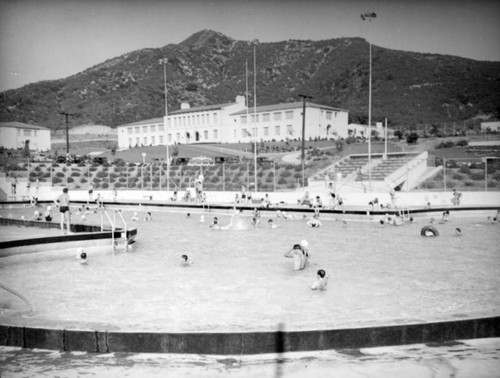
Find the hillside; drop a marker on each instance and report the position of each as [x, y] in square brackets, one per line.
[209, 68]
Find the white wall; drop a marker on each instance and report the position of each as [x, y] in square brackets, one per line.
[11, 137]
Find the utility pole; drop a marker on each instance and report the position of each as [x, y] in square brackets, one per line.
[304, 100]
[67, 131]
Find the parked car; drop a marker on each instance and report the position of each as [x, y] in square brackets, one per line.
[100, 160]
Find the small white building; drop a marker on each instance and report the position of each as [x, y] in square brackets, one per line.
[490, 126]
[15, 134]
[282, 122]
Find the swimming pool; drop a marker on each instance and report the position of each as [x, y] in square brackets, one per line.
[240, 280]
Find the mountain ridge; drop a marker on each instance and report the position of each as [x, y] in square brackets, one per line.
[209, 68]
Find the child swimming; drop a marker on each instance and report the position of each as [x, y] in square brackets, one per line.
[185, 261]
[321, 280]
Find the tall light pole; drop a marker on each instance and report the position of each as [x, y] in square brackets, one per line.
[368, 16]
[164, 62]
[255, 119]
[304, 100]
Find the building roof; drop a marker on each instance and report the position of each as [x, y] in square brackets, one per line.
[20, 125]
[144, 122]
[201, 108]
[287, 106]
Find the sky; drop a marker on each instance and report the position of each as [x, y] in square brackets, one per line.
[53, 39]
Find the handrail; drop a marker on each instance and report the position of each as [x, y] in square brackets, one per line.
[17, 294]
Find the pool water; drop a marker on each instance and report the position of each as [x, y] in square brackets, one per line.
[241, 281]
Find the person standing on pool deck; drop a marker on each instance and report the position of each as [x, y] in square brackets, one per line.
[63, 203]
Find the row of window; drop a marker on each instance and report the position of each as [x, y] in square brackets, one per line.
[193, 120]
[145, 129]
[151, 140]
[277, 116]
[27, 133]
[290, 132]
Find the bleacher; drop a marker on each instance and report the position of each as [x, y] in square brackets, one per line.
[380, 171]
[351, 165]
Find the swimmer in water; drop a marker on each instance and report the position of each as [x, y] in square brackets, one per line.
[321, 280]
[215, 223]
[202, 218]
[458, 231]
[271, 224]
[344, 223]
[185, 261]
[314, 222]
[299, 257]
[188, 215]
[148, 216]
[255, 222]
[135, 217]
[36, 216]
[82, 256]
[446, 216]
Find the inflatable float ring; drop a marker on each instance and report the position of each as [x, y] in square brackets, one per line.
[429, 231]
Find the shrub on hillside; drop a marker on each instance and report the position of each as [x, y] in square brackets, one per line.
[477, 176]
[56, 180]
[462, 143]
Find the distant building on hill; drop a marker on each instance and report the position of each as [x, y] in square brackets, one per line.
[234, 123]
[490, 126]
[16, 134]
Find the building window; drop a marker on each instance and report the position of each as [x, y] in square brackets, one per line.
[266, 130]
[289, 114]
[205, 135]
[216, 134]
[175, 122]
[277, 116]
[243, 120]
[203, 119]
[254, 118]
[34, 133]
[169, 123]
[137, 141]
[137, 130]
[130, 142]
[169, 138]
[145, 141]
[152, 128]
[198, 120]
[144, 129]
[178, 137]
[129, 130]
[276, 130]
[160, 128]
[215, 118]
[266, 117]
[161, 139]
[328, 115]
[289, 130]
[152, 140]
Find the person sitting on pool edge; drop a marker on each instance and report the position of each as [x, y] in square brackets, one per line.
[321, 280]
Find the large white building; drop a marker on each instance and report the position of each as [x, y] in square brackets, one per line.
[15, 134]
[233, 123]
